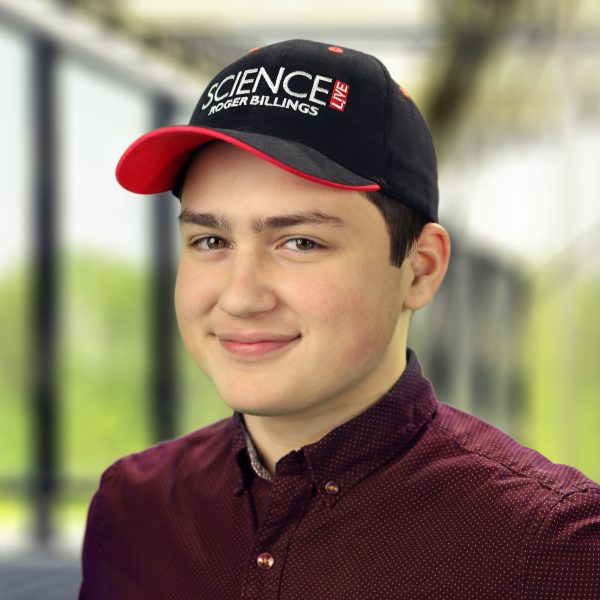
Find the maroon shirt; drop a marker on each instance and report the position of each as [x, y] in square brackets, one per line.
[411, 499]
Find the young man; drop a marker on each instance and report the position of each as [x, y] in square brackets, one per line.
[308, 189]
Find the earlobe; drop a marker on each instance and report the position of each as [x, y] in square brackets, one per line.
[429, 263]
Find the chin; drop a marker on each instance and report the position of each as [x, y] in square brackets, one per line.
[259, 408]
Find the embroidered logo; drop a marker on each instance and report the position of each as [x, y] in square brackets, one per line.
[339, 95]
[297, 90]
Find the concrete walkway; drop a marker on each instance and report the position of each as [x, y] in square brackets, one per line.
[39, 575]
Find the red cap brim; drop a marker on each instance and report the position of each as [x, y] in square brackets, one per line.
[151, 164]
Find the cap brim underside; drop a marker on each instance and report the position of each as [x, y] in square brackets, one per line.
[152, 163]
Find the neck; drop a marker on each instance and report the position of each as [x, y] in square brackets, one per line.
[275, 436]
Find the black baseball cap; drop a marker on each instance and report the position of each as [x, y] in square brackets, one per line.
[326, 113]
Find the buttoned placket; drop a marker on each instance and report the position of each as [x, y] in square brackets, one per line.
[291, 494]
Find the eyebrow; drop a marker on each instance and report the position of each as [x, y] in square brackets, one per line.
[220, 221]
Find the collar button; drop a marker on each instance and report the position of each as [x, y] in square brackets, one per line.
[331, 487]
[265, 560]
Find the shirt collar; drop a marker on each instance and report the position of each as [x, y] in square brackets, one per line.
[255, 463]
[353, 450]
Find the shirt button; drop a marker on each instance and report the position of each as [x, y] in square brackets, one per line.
[265, 560]
[331, 487]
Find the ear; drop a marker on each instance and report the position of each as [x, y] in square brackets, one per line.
[429, 263]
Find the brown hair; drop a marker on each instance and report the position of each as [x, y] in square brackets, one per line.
[404, 225]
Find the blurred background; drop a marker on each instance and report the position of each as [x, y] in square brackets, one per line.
[91, 363]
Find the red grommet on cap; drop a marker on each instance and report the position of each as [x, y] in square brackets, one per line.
[335, 49]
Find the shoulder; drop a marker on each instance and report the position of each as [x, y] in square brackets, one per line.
[491, 448]
[552, 509]
[147, 498]
[153, 480]
[201, 450]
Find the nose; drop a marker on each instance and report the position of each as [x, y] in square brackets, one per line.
[246, 290]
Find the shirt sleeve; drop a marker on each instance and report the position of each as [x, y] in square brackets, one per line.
[564, 559]
[92, 568]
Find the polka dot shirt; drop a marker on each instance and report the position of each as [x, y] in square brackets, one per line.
[412, 499]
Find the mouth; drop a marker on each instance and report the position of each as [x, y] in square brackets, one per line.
[258, 348]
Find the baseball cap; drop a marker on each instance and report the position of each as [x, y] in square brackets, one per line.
[327, 113]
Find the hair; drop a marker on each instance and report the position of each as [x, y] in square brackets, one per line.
[404, 225]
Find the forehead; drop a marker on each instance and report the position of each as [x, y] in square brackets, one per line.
[223, 178]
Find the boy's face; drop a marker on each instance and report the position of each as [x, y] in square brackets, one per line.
[342, 302]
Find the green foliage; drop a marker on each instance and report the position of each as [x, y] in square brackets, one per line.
[103, 362]
[103, 378]
[562, 348]
[14, 375]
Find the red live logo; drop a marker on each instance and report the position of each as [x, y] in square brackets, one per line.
[339, 95]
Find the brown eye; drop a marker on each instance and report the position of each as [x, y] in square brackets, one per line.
[303, 244]
[212, 243]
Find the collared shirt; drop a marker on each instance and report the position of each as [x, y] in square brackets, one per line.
[412, 499]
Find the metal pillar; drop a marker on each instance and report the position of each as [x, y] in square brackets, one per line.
[163, 364]
[44, 284]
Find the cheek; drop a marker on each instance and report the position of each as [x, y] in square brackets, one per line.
[346, 316]
[193, 293]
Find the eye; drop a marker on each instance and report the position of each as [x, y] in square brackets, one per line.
[303, 244]
[212, 243]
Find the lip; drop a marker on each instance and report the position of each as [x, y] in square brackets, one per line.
[256, 336]
[251, 345]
